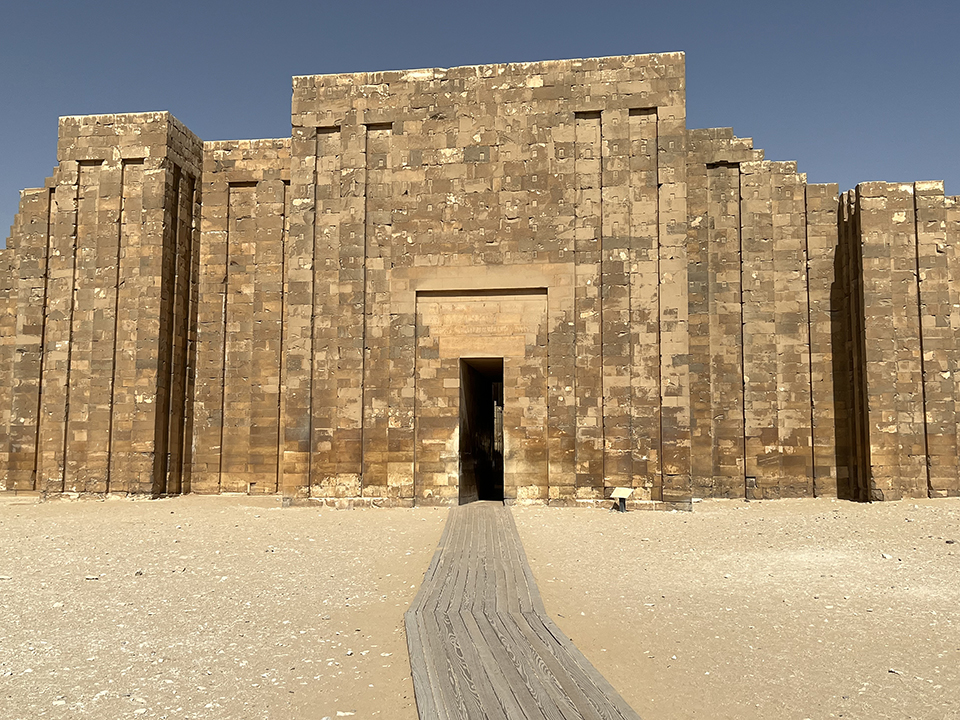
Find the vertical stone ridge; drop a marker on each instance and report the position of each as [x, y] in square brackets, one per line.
[254, 175]
[378, 374]
[939, 341]
[849, 343]
[615, 268]
[348, 349]
[332, 178]
[822, 246]
[298, 353]
[278, 480]
[674, 306]
[8, 322]
[699, 289]
[167, 325]
[192, 348]
[589, 457]
[725, 331]
[715, 257]
[792, 332]
[224, 339]
[921, 275]
[121, 220]
[645, 301]
[31, 245]
[762, 461]
[56, 351]
[128, 392]
[952, 248]
[237, 338]
[894, 460]
[777, 400]
[210, 330]
[82, 389]
[182, 320]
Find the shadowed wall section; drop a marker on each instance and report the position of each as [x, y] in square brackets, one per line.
[898, 302]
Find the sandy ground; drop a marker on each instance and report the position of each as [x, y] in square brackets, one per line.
[782, 609]
[227, 607]
[207, 607]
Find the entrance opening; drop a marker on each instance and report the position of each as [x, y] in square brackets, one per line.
[481, 429]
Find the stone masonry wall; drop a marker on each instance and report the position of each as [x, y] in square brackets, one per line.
[905, 357]
[673, 312]
[466, 325]
[716, 310]
[99, 260]
[237, 398]
[828, 416]
[757, 349]
[566, 176]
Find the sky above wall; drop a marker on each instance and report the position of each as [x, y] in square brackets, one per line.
[853, 91]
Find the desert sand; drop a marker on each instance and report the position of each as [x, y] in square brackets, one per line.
[780, 609]
[233, 607]
[207, 607]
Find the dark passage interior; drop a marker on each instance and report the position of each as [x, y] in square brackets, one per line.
[481, 429]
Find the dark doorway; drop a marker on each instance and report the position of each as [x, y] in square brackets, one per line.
[481, 429]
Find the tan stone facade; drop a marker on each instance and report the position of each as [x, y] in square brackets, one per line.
[524, 281]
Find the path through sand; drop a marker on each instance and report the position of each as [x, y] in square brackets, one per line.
[231, 607]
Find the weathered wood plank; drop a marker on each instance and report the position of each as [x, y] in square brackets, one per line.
[481, 644]
[513, 666]
[535, 679]
[595, 686]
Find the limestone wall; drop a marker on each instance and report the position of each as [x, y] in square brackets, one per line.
[760, 245]
[902, 265]
[716, 310]
[240, 308]
[828, 413]
[458, 325]
[562, 176]
[99, 267]
[673, 312]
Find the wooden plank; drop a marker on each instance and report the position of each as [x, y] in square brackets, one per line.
[446, 692]
[542, 680]
[591, 682]
[539, 683]
[481, 644]
[601, 684]
[604, 688]
[515, 696]
[478, 687]
[423, 680]
[427, 680]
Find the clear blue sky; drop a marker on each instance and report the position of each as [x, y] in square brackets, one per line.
[852, 90]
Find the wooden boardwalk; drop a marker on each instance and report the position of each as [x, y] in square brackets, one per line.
[481, 644]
